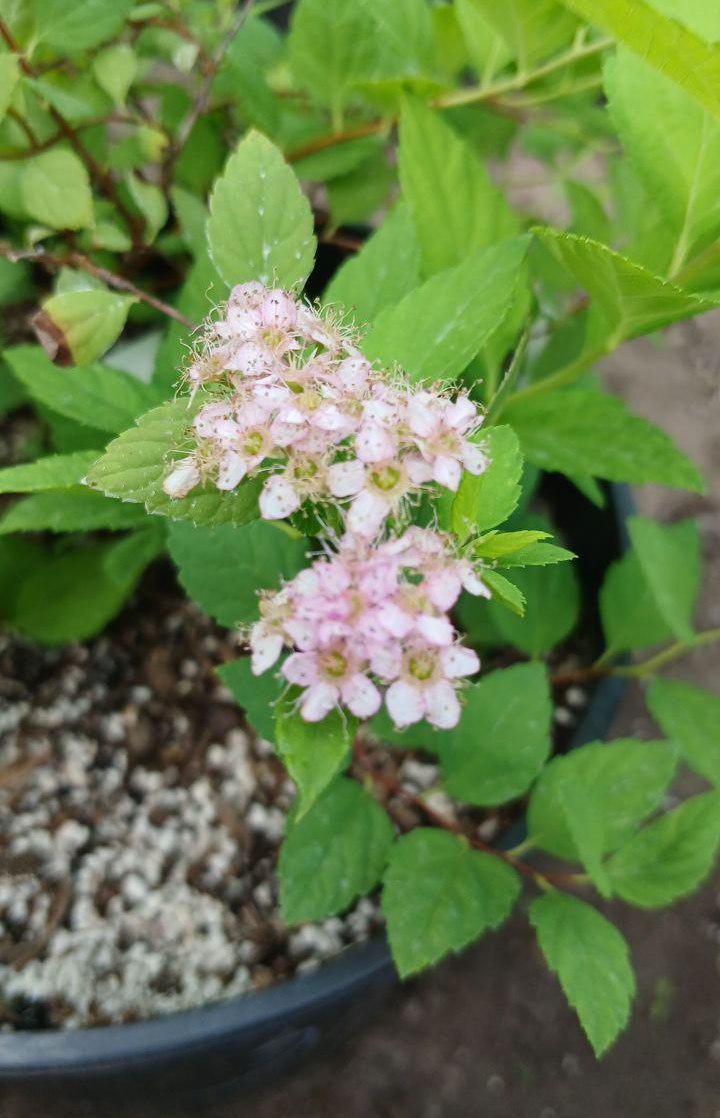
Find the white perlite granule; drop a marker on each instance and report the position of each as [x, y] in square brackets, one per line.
[169, 887]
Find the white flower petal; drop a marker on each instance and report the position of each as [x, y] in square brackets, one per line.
[301, 669]
[318, 701]
[458, 661]
[421, 418]
[418, 470]
[436, 630]
[395, 620]
[443, 588]
[474, 460]
[462, 414]
[345, 479]
[374, 443]
[404, 704]
[475, 585]
[442, 706]
[447, 472]
[266, 647]
[301, 633]
[367, 513]
[231, 471]
[183, 477]
[361, 696]
[278, 499]
[386, 661]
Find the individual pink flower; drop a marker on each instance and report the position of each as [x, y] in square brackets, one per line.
[331, 676]
[425, 686]
[303, 477]
[380, 492]
[440, 428]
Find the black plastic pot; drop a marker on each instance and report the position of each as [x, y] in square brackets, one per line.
[186, 1062]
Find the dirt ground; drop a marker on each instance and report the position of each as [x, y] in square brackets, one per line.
[489, 1033]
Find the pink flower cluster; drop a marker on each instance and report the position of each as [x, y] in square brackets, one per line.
[295, 401]
[371, 621]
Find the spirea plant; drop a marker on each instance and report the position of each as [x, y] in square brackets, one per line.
[347, 472]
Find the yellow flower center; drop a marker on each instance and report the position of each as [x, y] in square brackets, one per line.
[385, 478]
[334, 664]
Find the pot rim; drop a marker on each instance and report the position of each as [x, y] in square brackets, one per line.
[26, 1054]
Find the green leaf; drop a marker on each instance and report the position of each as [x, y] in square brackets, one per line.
[629, 299]
[330, 47]
[436, 329]
[151, 203]
[439, 896]
[256, 694]
[504, 592]
[671, 856]
[55, 190]
[502, 545]
[77, 102]
[627, 780]
[591, 959]
[663, 43]
[70, 596]
[335, 853]
[56, 471]
[223, 569]
[135, 465]
[128, 558]
[691, 719]
[260, 225]
[588, 216]
[585, 823]
[313, 752]
[552, 608]
[503, 738]
[455, 205]
[675, 145]
[82, 324]
[402, 35]
[355, 198]
[531, 29]
[9, 74]
[669, 558]
[96, 395]
[488, 50]
[334, 162]
[384, 270]
[559, 431]
[18, 559]
[486, 500]
[12, 394]
[69, 510]
[192, 217]
[70, 28]
[538, 555]
[630, 617]
[115, 69]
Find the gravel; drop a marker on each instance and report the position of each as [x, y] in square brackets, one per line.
[139, 828]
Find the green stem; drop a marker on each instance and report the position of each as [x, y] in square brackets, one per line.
[520, 80]
[470, 96]
[554, 94]
[569, 373]
[649, 667]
